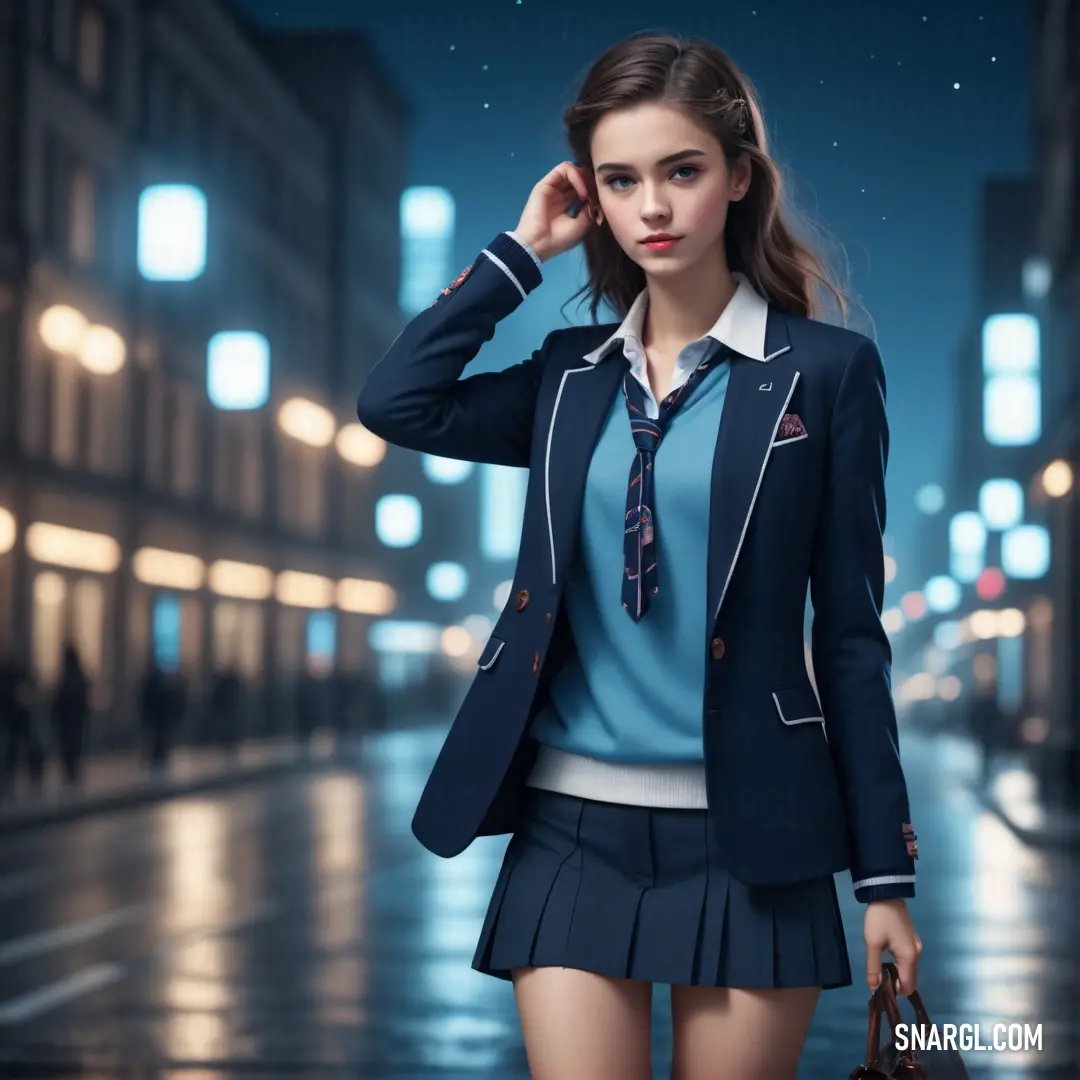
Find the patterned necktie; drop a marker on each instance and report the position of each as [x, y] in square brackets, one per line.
[640, 576]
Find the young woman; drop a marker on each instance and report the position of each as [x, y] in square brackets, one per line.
[642, 720]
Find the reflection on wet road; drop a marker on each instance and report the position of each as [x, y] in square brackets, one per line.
[295, 929]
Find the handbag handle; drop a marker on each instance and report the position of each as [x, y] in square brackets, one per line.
[883, 1002]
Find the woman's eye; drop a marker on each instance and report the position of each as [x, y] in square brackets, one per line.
[691, 169]
[613, 182]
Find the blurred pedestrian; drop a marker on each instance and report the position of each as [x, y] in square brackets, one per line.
[23, 744]
[156, 715]
[225, 700]
[70, 709]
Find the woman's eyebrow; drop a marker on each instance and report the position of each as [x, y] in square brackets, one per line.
[669, 160]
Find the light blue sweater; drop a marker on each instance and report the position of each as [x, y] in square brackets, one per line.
[633, 691]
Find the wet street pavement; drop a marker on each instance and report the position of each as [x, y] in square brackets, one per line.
[293, 928]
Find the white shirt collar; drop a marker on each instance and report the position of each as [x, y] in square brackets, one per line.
[741, 325]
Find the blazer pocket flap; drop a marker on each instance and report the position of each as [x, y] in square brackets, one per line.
[798, 705]
[490, 654]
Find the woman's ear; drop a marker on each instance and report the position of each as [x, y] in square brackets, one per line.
[740, 175]
[594, 195]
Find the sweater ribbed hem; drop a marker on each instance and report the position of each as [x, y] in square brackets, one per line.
[672, 787]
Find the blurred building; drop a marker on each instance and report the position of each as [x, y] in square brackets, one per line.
[960, 627]
[150, 502]
[998, 615]
[1054, 469]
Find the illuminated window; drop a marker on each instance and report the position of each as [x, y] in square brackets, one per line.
[427, 238]
[447, 581]
[1012, 414]
[166, 623]
[50, 595]
[167, 569]
[942, 594]
[88, 624]
[441, 470]
[393, 636]
[321, 641]
[238, 370]
[172, 232]
[1025, 552]
[398, 520]
[237, 638]
[967, 546]
[502, 507]
[1001, 503]
[1012, 407]
[362, 597]
[78, 549]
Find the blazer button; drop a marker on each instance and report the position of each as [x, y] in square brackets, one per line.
[536, 663]
[547, 616]
[522, 599]
[717, 648]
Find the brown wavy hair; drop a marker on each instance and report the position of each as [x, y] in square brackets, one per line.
[696, 76]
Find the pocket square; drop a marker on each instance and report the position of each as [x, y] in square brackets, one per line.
[791, 426]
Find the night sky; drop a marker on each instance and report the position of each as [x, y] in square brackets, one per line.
[887, 114]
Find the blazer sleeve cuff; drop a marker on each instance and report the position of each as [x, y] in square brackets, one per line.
[516, 261]
[884, 887]
[528, 249]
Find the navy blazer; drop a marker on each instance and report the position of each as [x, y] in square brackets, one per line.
[796, 788]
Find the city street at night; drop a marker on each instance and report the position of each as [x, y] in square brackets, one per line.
[292, 927]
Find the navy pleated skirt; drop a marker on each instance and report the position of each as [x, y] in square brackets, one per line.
[639, 893]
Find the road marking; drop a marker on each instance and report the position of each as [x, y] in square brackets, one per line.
[46, 941]
[28, 1006]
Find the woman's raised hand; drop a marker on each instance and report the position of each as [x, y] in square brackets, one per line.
[545, 225]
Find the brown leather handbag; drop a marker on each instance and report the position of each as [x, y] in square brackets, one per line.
[892, 1063]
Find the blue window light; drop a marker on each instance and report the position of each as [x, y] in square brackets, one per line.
[942, 594]
[443, 470]
[398, 520]
[238, 370]
[1025, 552]
[172, 232]
[321, 639]
[166, 626]
[1012, 410]
[427, 238]
[447, 581]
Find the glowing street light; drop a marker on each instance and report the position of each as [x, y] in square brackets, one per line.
[62, 329]
[102, 351]
[1057, 479]
[307, 422]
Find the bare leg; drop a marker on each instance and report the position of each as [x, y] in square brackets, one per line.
[722, 1034]
[581, 1026]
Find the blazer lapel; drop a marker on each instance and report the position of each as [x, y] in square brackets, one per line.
[582, 402]
[757, 398]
